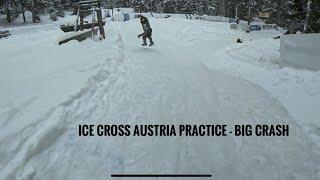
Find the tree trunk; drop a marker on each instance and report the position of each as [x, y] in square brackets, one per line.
[22, 6]
[306, 23]
[8, 12]
[33, 12]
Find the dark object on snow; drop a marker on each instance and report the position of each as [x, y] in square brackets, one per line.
[35, 19]
[60, 13]
[4, 34]
[35, 15]
[69, 28]
[239, 40]
[80, 37]
[277, 37]
[287, 33]
[75, 10]
[53, 16]
[126, 17]
[295, 27]
[188, 16]
[147, 30]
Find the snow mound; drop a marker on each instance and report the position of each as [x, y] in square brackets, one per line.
[301, 51]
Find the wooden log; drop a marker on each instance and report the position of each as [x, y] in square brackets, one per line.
[92, 24]
[4, 34]
[88, 2]
[69, 28]
[79, 36]
[89, 5]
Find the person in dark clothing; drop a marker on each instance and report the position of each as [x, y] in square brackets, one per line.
[147, 31]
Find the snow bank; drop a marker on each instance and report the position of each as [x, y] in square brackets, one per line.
[126, 10]
[243, 27]
[122, 14]
[253, 27]
[300, 51]
[213, 18]
[118, 16]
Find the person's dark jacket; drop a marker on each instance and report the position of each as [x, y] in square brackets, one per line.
[147, 30]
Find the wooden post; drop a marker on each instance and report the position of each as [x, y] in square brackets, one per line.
[93, 20]
[81, 20]
[100, 23]
[78, 14]
[112, 7]
[236, 14]
[101, 29]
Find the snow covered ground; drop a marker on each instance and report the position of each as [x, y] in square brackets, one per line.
[195, 74]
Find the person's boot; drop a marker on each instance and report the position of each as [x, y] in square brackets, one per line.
[151, 43]
[144, 42]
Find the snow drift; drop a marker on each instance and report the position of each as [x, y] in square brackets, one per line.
[300, 51]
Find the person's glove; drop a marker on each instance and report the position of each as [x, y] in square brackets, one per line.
[139, 35]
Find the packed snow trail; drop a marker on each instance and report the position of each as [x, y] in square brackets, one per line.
[164, 84]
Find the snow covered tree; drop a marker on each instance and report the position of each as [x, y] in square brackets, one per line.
[291, 14]
[314, 17]
[296, 15]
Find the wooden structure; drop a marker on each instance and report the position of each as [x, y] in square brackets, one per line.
[69, 28]
[83, 7]
[4, 34]
[79, 36]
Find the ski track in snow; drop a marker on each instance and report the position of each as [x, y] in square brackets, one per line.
[165, 84]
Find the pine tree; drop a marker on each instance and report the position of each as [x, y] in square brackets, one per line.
[314, 18]
[296, 15]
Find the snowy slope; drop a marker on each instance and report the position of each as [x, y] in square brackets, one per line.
[195, 74]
